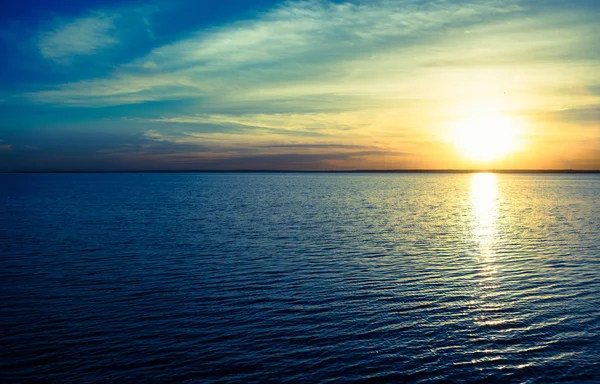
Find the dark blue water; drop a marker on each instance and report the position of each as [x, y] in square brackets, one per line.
[299, 278]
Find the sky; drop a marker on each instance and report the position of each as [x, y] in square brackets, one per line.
[299, 85]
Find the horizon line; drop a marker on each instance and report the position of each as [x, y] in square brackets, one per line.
[450, 170]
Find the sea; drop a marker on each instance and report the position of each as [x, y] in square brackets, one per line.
[299, 278]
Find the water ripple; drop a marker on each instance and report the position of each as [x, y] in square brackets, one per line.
[300, 278]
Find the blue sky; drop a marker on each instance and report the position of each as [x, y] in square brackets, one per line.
[97, 85]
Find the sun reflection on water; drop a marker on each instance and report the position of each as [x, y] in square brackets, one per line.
[484, 198]
[484, 217]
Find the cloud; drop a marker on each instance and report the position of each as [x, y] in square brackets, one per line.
[75, 150]
[586, 114]
[299, 49]
[311, 56]
[349, 128]
[316, 146]
[81, 37]
[292, 123]
[4, 146]
[293, 161]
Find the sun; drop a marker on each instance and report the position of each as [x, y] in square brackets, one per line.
[486, 138]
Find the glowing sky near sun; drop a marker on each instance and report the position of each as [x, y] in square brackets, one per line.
[242, 84]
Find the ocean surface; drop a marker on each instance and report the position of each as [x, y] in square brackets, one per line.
[266, 277]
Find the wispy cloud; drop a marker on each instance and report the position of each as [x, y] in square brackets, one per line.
[80, 37]
[583, 115]
[314, 54]
[187, 150]
[287, 51]
[325, 123]
[4, 146]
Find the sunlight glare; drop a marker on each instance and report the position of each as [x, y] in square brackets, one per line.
[485, 138]
[484, 196]
[484, 206]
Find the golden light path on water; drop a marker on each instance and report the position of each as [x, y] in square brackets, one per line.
[484, 198]
[484, 221]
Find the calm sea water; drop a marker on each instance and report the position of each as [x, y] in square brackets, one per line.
[299, 278]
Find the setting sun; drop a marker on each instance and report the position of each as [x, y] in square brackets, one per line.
[486, 138]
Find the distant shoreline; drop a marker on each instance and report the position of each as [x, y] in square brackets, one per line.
[451, 171]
